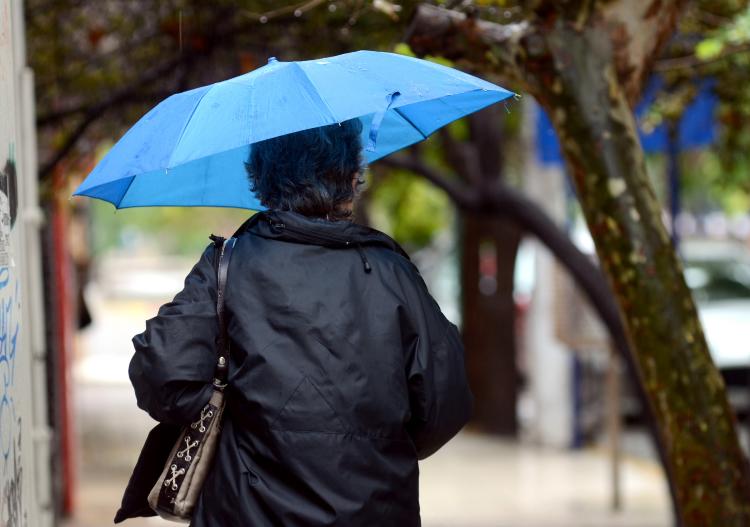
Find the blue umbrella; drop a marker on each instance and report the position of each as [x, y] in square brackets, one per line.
[191, 148]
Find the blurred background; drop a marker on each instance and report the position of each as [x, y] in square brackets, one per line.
[560, 436]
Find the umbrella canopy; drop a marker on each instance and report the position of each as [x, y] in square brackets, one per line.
[191, 148]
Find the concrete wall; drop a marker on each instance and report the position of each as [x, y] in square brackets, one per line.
[24, 436]
[549, 361]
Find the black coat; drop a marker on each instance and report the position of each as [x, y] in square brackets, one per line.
[343, 374]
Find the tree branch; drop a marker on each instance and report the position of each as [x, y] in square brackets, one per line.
[463, 197]
[486, 132]
[453, 35]
[691, 61]
[54, 118]
[504, 202]
[131, 92]
[462, 157]
[509, 203]
[87, 62]
[70, 141]
[518, 52]
[285, 10]
[95, 112]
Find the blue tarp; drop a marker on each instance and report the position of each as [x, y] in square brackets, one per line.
[697, 128]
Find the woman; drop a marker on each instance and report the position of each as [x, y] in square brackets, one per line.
[343, 370]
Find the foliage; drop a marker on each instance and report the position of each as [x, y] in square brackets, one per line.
[410, 208]
[713, 41]
[100, 65]
[704, 186]
[160, 230]
[735, 33]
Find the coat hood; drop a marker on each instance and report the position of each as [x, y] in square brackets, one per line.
[293, 227]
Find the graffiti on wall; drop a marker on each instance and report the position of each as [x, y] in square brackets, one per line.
[14, 406]
[8, 207]
[12, 513]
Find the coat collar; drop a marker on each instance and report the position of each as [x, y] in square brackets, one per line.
[294, 227]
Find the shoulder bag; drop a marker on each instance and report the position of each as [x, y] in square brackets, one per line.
[178, 488]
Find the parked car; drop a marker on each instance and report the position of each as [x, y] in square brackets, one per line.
[718, 273]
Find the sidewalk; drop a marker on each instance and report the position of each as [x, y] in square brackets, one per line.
[473, 482]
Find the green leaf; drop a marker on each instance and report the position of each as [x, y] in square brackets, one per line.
[410, 208]
[402, 48]
[709, 49]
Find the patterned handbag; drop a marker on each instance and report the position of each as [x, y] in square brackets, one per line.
[176, 492]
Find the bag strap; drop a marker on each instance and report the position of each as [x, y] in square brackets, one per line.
[225, 248]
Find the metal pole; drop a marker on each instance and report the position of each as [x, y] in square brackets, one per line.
[614, 427]
[673, 176]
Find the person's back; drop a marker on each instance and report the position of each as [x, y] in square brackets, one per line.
[343, 373]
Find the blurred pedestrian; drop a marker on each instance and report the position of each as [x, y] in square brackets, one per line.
[343, 371]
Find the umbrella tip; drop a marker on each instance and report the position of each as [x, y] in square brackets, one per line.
[271, 60]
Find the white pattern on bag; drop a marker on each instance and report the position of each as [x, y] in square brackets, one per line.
[206, 414]
[186, 451]
[172, 480]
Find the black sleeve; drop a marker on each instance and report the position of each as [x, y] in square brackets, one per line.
[440, 398]
[175, 357]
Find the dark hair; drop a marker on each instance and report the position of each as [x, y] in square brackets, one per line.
[309, 172]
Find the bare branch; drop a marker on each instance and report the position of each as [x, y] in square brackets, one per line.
[711, 19]
[296, 9]
[512, 204]
[94, 112]
[67, 147]
[637, 30]
[462, 157]
[691, 61]
[468, 41]
[87, 62]
[136, 98]
[52, 118]
[503, 201]
[463, 197]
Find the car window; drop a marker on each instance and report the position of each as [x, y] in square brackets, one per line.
[712, 281]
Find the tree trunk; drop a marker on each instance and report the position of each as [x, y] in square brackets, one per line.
[585, 62]
[489, 247]
[598, 136]
[488, 264]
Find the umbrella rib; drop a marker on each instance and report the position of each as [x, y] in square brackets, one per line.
[130, 184]
[405, 118]
[314, 91]
[187, 122]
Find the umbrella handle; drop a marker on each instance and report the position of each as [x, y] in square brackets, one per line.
[378, 120]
